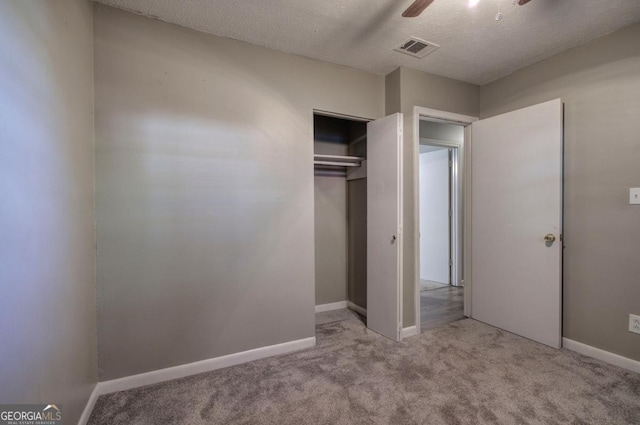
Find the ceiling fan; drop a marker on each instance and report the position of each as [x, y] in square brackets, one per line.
[418, 6]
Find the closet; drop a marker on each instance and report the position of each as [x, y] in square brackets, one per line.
[340, 189]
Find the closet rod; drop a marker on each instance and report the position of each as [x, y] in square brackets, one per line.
[338, 158]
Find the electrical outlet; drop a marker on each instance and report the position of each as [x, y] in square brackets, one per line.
[634, 323]
[634, 196]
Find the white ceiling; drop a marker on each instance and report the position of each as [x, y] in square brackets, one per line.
[362, 33]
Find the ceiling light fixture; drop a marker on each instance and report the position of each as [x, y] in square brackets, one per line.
[473, 3]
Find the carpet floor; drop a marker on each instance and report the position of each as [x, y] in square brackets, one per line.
[463, 373]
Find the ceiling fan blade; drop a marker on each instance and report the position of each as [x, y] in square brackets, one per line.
[416, 8]
[523, 2]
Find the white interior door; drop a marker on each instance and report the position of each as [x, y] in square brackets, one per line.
[384, 226]
[517, 201]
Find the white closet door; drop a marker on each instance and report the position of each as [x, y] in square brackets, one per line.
[516, 202]
[384, 226]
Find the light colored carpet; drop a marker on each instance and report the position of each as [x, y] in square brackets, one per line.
[427, 285]
[335, 316]
[463, 373]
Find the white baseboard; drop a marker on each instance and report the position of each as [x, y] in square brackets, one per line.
[361, 311]
[170, 373]
[86, 413]
[332, 306]
[605, 356]
[410, 331]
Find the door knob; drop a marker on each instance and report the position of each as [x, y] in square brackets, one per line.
[550, 238]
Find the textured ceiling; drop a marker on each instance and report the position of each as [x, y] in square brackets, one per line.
[362, 33]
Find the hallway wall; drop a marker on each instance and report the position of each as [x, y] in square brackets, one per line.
[434, 215]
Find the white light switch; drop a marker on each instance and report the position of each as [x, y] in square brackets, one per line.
[634, 196]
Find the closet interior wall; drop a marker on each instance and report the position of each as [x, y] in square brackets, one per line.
[340, 214]
[357, 222]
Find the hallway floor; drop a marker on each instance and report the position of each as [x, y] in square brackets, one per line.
[441, 306]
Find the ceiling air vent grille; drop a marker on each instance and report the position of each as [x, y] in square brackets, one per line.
[416, 47]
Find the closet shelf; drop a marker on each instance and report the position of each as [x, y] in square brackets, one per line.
[336, 164]
[337, 160]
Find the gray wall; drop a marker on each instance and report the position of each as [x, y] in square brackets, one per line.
[357, 228]
[392, 100]
[357, 221]
[331, 136]
[47, 248]
[331, 237]
[430, 91]
[440, 131]
[600, 86]
[205, 190]
[434, 91]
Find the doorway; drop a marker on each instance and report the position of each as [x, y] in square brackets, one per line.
[441, 295]
[515, 234]
[441, 286]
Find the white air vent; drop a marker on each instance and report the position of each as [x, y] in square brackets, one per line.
[416, 47]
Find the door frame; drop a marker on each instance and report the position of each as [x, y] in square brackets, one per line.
[464, 200]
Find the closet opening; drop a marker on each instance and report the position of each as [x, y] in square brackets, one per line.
[440, 218]
[340, 207]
